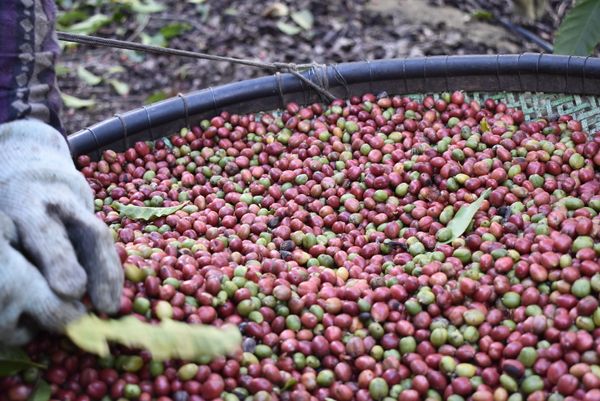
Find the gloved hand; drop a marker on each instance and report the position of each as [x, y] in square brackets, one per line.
[25, 297]
[51, 206]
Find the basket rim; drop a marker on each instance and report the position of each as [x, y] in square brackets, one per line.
[526, 72]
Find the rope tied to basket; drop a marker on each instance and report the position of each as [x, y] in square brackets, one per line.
[292, 68]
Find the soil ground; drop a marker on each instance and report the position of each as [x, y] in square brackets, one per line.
[342, 31]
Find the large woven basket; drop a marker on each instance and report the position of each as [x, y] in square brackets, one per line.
[541, 85]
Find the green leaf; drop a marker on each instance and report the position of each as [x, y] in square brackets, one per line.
[579, 32]
[13, 360]
[88, 77]
[71, 17]
[73, 102]
[163, 340]
[143, 7]
[66, 4]
[303, 18]
[484, 126]
[147, 7]
[459, 224]
[156, 97]
[154, 40]
[61, 69]
[288, 29]
[90, 25]
[482, 15]
[115, 69]
[146, 213]
[168, 143]
[276, 10]
[42, 392]
[173, 30]
[204, 11]
[120, 87]
[291, 382]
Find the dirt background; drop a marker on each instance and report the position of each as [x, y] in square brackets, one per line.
[341, 31]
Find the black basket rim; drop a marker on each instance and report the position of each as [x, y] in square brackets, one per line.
[527, 72]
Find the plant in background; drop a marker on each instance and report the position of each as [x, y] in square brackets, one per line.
[579, 32]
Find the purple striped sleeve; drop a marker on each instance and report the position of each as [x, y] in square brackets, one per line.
[28, 52]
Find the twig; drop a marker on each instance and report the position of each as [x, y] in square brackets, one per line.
[122, 44]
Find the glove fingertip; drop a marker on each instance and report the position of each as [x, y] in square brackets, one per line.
[8, 229]
[106, 278]
[106, 295]
[54, 316]
[68, 283]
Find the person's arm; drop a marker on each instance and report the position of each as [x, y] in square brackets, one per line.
[53, 249]
[28, 53]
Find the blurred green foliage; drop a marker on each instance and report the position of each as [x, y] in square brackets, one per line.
[579, 32]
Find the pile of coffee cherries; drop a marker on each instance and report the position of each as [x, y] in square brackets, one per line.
[322, 233]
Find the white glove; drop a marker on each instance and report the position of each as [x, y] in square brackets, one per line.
[51, 206]
[25, 298]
